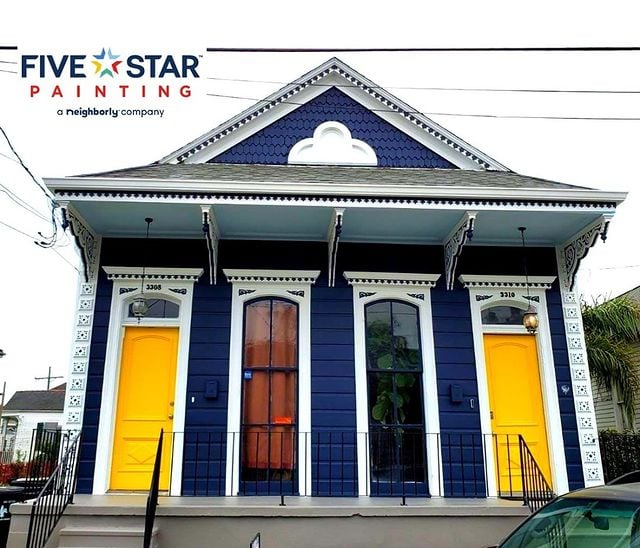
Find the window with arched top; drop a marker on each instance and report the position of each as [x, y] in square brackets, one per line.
[270, 389]
[502, 315]
[394, 383]
[158, 308]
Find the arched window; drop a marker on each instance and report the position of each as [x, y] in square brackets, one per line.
[158, 308]
[269, 380]
[502, 315]
[394, 384]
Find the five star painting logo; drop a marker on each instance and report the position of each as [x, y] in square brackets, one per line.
[106, 63]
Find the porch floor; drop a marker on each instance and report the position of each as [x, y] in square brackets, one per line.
[134, 504]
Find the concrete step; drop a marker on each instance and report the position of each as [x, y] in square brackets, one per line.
[104, 537]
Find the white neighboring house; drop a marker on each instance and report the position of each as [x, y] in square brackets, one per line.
[26, 411]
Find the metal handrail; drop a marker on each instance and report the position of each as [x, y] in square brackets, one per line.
[152, 499]
[536, 491]
[54, 497]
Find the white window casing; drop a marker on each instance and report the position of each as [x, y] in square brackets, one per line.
[412, 289]
[248, 285]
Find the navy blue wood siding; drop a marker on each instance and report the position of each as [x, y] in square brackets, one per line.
[205, 439]
[92, 405]
[333, 416]
[333, 405]
[460, 438]
[563, 377]
[272, 144]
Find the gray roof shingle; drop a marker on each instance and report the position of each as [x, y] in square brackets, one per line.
[37, 400]
[331, 174]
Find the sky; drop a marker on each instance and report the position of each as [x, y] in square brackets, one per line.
[38, 285]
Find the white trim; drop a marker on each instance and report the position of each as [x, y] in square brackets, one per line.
[497, 281]
[397, 190]
[299, 291]
[391, 278]
[271, 276]
[152, 273]
[363, 294]
[109, 397]
[581, 387]
[480, 297]
[325, 149]
[356, 86]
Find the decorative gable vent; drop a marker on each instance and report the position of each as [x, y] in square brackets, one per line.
[332, 144]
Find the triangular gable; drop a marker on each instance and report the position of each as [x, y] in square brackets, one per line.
[393, 148]
[354, 98]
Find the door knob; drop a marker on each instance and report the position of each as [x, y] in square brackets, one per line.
[171, 416]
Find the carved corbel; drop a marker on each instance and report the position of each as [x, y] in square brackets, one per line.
[574, 250]
[211, 235]
[86, 240]
[453, 244]
[333, 237]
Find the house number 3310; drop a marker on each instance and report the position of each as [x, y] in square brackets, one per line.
[153, 287]
[507, 294]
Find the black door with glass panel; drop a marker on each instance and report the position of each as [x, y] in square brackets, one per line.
[395, 394]
[269, 392]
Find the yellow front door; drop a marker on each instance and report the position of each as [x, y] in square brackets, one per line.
[145, 405]
[515, 400]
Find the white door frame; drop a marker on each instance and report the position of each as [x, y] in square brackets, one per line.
[488, 291]
[173, 284]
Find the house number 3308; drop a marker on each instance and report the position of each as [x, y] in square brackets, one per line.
[153, 287]
[507, 294]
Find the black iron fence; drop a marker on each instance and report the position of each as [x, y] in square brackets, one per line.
[395, 462]
[55, 489]
[536, 491]
[620, 453]
[152, 499]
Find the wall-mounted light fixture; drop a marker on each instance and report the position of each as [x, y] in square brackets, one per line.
[139, 306]
[530, 319]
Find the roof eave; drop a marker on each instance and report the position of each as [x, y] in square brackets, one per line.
[181, 186]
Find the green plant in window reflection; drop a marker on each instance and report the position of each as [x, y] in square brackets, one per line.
[389, 352]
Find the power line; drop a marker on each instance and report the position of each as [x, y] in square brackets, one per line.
[9, 47]
[24, 166]
[9, 62]
[33, 238]
[426, 88]
[428, 50]
[471, 115]
[9, 71]
[21, 202]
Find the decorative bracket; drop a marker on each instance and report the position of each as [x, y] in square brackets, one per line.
[573, 251]
[453, 244]
[333, 236]
[85, 238]
[211, 235]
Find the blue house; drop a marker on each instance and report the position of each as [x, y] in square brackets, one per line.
[327, 295]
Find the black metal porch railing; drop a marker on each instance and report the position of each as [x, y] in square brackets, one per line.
[535, 488]
[152, 499]
[325, 463]
[57, 491]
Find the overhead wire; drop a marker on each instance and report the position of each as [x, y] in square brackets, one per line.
[425, 88]
[19, 201]
[412, 111]
[47, 241]
[534, 49]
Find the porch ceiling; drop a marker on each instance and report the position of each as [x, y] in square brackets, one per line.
[498, 226]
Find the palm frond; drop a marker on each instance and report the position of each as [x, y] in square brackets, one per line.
[618, 318]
